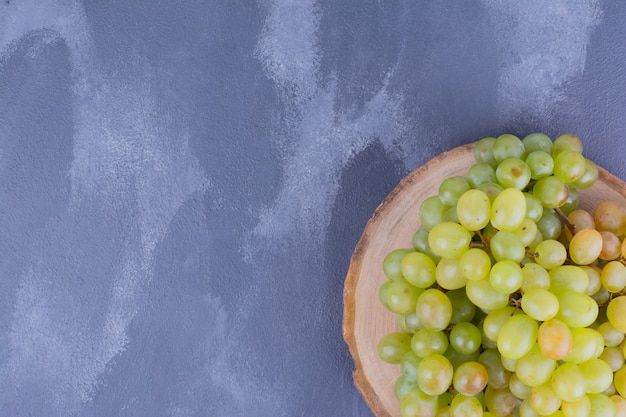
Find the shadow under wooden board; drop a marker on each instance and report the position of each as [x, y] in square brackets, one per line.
[392, 226]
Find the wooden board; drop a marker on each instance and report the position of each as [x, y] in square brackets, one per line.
[392, 226]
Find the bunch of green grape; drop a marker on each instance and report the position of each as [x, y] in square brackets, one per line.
[511, 301]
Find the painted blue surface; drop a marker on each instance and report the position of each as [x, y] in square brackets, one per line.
[182, 183]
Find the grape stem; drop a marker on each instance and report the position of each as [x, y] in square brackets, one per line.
[571, 226]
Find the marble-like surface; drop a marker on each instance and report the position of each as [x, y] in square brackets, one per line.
[182, 183]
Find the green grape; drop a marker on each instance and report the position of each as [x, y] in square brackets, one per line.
[475, 264]
[518, 388]
[457, 359]
[589, 177]
[598, 375]
[534, 368]
[500, 402]
[497, 376]
[449, 240]
[601, 406]
[544, 400]
[401, 296]
[517, 336]
[448, 274]
[473, 210]
[585, 246]
[568, 382]
[451, 189]
[513, 173]
[427, 342]
[526, 232]
[586, 343]
[507, 246]
[554, 339]
[601, 296]
[470, 378]
[551, 191]
[567, 141]
[416, 403]
[534, 276]
[540, 304]
[495, 320]
[409, 322]
[420, 240]
[611, 336]
[431, 212]
[537, 142]
[393, 346]
[491, 189]
[483, 151]
[505, 276]
[418, 269]
[525, 410]
[509, 364]
[613, 356]
[391, 263]
[619, 379]
[549, 224]
[408, 365]
[465, 338]
[541, 164]
[616, 313]
[508, 210]
[578, 408]
[568, 277]
[613, 276]
[572, 202]
[451, 215]
[550, 254]
[534, 208]
[434, 374]
[382, 293]
[480, 173]
[576, 309]
[403, 386]
[462, 307]
[484, 296]
[569, 166]
[594, 279]
[434, 309]
[508, 146]
[465, 406]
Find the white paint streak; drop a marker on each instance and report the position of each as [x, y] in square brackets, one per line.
[542, 46]
[124, 150]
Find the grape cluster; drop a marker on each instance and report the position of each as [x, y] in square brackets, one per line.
[511, 301]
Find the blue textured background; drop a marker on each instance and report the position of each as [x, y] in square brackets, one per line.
[182, 183]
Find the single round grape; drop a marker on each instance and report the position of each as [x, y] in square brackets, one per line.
[550, 254]
[508, 210]
[568, 277]
[470, 378]
[462, 308]
[403, 386]
[418, 269]
[509, 364]
[513, 173]
[416, 403]
[525, 410]
[494, 321]
[589, 177]
[465, 337]
[611, 246]
[491, 189]
[578, 408]
[501, 402]
[427, 342]
[540, 304]
[484, 296]
[483, 151]
[497, 376]
[409, 322]
[534, 368]
[393, 346]
[554, 339]
[581, 219]
[544, 400]
[534, 208]
[586, 343]
[568, 382]
[433, 309]
[507, 246]
[585, 246]
[572, 202]
[517, 336]
[567, 141]
[534, 276]
[549, 224]
[420, 240]
[609, 216]
[537, 142]
[594, 279]
[452, 188]
[401, 296]
[431, 212]
[569, 166]
[506, 276]
[616, 313]
[551, 191]
[480, 173]
[598, 375]
[619, 379]
[434, 374]
[518, 388]
[611, 336]
[382, 293]
[475, 264]
[473, 210]
[449, 275]
[391, 263]
[613, 356]
[449, 240]
[508, 146]
[576, 309]
[613, 276]
[601, 406]
[451, 215]
[526, 232]
[540, 163]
